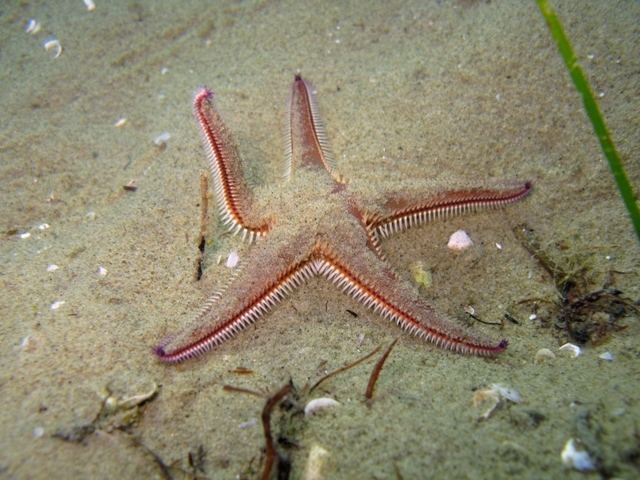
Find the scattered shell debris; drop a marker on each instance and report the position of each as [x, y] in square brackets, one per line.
[578, 460]
[315, 462]
[232, 260]
[102, 271]
[120, 122]
[57, 305]
[32, 27]
[52, 267]
[495, 395]
[459, 240]
[606, 356]
[317, 403]
[161, 140]
[90, 5]
[571, 350]
[544, 355]
[54, 43]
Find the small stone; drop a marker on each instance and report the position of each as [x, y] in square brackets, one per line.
[459, 240]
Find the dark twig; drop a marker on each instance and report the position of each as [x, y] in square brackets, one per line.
[231, 388]
[376, 370]
[164, 468]
[266, 426]
[340, 370]
[204, 219]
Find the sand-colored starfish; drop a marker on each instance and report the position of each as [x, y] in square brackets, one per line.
[321, 227]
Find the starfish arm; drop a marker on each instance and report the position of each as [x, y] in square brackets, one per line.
[268, 276]
[305, 139]
[411, 207]
[358, 272]
[235, 200]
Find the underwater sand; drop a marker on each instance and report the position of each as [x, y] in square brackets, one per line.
[434, 90]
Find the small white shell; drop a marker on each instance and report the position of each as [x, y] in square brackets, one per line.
[570, 349]
[459, 240]
[544, 355]
[572, 458]
[49, 44]
[606, 356]
[248, 423]
[32, 27]
[57, 305]
[120, 122]
[90, 5]
[162, 139]
[232, 260]
[52, 268]
[102, 271]
[316, 403]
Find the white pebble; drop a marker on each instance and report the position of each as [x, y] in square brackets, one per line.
[320, 403]
[38, 432]
[43, 226]
[459, 240]
[606, 356]
[102, 271]
[90, 5]
[57, 305]
[572, 458]
[52, 268]
[25, 235]
[120, 122]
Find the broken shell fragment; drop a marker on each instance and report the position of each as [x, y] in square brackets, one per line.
[459, 240]
[49, 44]
[495, 395]
[572, 458]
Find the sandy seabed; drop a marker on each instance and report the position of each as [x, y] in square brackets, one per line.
[434, 90]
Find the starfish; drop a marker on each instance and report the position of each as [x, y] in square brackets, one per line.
[324, 227]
